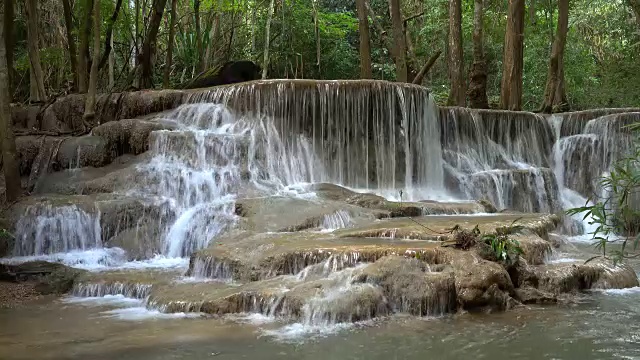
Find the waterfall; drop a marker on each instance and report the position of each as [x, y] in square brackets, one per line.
[584, 152]
[373, 135]
[500, 156]
[265, 138]
[44, 230]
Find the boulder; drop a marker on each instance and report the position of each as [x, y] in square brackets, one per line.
[142, 241]
[481, 284]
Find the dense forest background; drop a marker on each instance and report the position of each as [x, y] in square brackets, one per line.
[320, 39]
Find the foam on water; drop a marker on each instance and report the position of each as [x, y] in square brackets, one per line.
[628, 291]
[96, 259]
[109, 300]
[299, 332]
[142, 313]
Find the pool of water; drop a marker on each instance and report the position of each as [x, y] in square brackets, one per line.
[597, 326]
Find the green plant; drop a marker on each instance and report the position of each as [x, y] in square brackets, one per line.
[503, 247]
[615, 214]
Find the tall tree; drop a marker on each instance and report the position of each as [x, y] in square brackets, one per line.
[555, 96]
[635, 7]
[512, 65]
[90, 104]
[71, 42]
[9, 39]
[214, 32]
[399, 40]
[149, 44]
[37, 76]
[267, 31]
[108, 42]
[83, 50]
[457, 94]
[196, 16]
[172, 36]
[478, 85]
[9, 153]
[365, 42]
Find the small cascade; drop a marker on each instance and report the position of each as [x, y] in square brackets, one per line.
[129, 290]
[338, 220]
[499, 156]
[343, 300]
[581, 157]
[199, 168]
[44, 230]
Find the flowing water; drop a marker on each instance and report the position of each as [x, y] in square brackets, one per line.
[274, 138]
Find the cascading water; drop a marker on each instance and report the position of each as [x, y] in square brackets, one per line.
[500, 156]
[582, 158]
[199, 168]
[372, 135]
[45, 230]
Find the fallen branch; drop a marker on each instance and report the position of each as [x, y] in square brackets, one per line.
[427, 66]
[412, 17]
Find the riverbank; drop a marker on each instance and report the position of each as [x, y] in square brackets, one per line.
[13, 294]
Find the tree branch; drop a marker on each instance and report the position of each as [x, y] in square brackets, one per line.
[427, 66]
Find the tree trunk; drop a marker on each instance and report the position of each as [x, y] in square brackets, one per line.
[478, 85]
[34, 52]
[9, 153]
[200, 53]
[229, 52]
[108, 42]
[90, 104]
[265, 61]
[214, 32]
[457, 96]
[149, 45]
[316, 28]
[425, 69]
[9, 41]
[172, 35]
[253, 29]
[365, 42]
[112, 65]
[68, 21]
[635, 7]
[398, 39]
[512, 66]
[555, 98]
[83, 51]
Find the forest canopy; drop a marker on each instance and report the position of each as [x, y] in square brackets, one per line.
[320, 39]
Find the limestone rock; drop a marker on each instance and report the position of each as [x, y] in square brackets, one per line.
[565, 278]
[481, 284]
[142, 241]
[530, 295]
[411, 287]
[51, 278]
